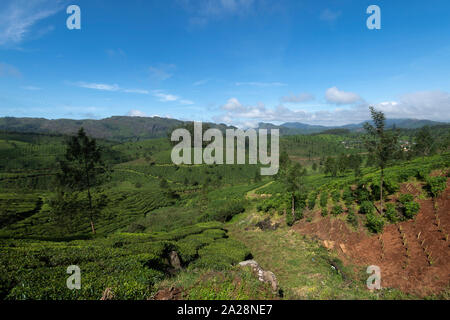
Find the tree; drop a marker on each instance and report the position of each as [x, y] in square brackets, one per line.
[382, 144]
[342, 163]
[354, 163]
[257, 176]
[314, 166]
[294, 183]
[424, 142]
[330, 166]
[291, 174]
[82, 169]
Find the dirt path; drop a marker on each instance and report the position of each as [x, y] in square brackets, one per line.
[252, 193]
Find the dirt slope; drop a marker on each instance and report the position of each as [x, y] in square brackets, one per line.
[414, 256]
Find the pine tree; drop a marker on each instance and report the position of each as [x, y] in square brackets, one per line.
[82, 169]
[382, 144]
[424, 142]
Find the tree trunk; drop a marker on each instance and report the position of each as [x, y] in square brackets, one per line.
[90, 210]
[293, 208]
[381, 190]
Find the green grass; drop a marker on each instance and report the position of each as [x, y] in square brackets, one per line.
[302, 266]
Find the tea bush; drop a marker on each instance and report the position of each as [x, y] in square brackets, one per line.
[436, 185]
[366, 207]
[391, 212]
[337, 210]
[410, 209]
[374, 222]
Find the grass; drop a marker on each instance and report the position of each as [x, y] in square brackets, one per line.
[302, 266]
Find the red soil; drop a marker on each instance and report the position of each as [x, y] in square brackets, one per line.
[423, 271]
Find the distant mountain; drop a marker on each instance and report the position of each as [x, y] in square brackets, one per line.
[122, 128]
[292, 128]
[113, 128]
[116, 128]
[302, 128]
[401, 123]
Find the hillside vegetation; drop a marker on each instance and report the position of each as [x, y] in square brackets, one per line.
[180, 231]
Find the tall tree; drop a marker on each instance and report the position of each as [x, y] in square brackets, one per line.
[424, 142]
[291, 174]
[331, 166]
[83, 168]
[382, 144]
[354, 162]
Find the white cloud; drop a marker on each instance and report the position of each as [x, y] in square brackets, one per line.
[200, 82]
[162, 71]
[99, 86]
[203, 11]
[7, 70]
[335, 96]
[431, 105]
[329, 15]
[17, 17]
[136, 113]
[302, 97]
[165, 97]
[232, 104]
[140, 91]
[261, 84]
[115, 53]
[109, 87]
[31, 88]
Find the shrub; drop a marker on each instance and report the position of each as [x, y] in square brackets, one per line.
[336, 195]
[422, 173]
[347, 196]
[298, 215]
[436, 185]
[366, 207]
[375, 191]
[221, 254]
[324, 199]
[391, 212]
[406, 197]
[352, 219]
[410, 209]
[390, 185]
[362, 194]
[224, 210]
[374, 223]
[312, 200]
[337, 210]
[324, 212]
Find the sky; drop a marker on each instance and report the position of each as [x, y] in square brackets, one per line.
[237, 62]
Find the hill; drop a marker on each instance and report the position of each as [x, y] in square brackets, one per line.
[124, 128]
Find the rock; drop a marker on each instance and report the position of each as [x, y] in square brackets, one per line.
[269, 276]
[328, 244]
[107, 294]
[266, 224]
[343, 248]
[168, 294]
[263, 276]
[249, 263]
[174, 260]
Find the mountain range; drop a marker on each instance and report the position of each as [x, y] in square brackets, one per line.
[123, 128]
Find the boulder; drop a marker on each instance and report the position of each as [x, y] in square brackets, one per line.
[263, 276]
[107, 294]
[174, 260]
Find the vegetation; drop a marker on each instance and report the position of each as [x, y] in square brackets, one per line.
[118, 208]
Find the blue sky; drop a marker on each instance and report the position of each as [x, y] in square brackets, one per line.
[235, 61]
